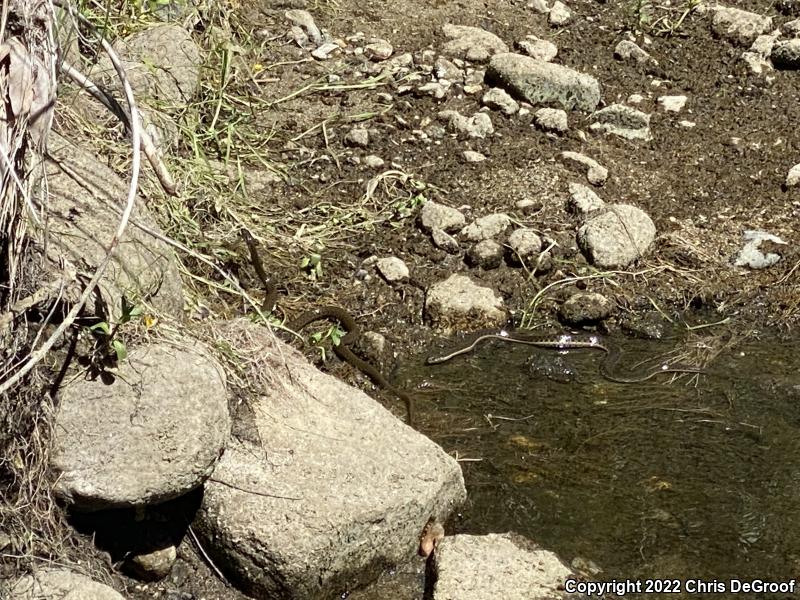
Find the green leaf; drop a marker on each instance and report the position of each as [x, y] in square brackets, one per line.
[102, 327]
[120, 350]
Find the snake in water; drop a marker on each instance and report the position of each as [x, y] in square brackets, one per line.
[328, 312]
[567, 342]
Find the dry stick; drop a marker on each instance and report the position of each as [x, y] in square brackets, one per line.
[36, 356]
[206, 556]
[150, 150]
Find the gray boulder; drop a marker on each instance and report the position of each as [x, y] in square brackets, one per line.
[152, 435]
[539, 82]
[617, 236]
[60, 584]
[507, 566]
[339, 489]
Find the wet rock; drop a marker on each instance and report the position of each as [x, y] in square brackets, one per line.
[486, 228]
[582, 200]
[623, 121]
[793, 177]
[595, 173]
[539, 82]
[342, 487]
[154, 434]
[751, 254]
[651, 326]
[738, 26]
[471, 43]
[45, 584]
[478, 125]
[585, 308]
[672, 103]
[551, 119]
[617, 237]
[560, 14]
[433, 215]
[506, 566]
[525, 245]
[538, 48]
[486, 254]
[152, 566]
[471, 156]
[375, 348]
[378, 49]
[445, 241]
[357, 137]
[459, 304]
[786, 55]
[498, 99]
[304, 20]
[392, 269]
[628, 50]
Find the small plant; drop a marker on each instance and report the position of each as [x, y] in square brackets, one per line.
[109, 349]
[334, 333]
[312, 266]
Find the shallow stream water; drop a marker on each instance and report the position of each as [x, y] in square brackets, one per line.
[687, 477]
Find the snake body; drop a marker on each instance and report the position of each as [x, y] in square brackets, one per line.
[322, 313]
[567, 342]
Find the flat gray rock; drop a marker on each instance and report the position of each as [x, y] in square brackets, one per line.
[433, 215]
[539, 82]
[617, 236]
[486, 228]
[507, 566]
[460, 304]
[152, 435]
[623, 121]
[595, 172]
[738, 26]
[357, 484]
[471, 43]
[60, 584]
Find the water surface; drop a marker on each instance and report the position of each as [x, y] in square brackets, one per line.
[686, 478]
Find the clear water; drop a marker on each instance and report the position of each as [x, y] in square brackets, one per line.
[692, 478]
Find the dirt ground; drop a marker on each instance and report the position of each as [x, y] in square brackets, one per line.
[702, 186]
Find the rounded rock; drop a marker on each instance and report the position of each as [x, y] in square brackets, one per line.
[585, 308]
[486, 254]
